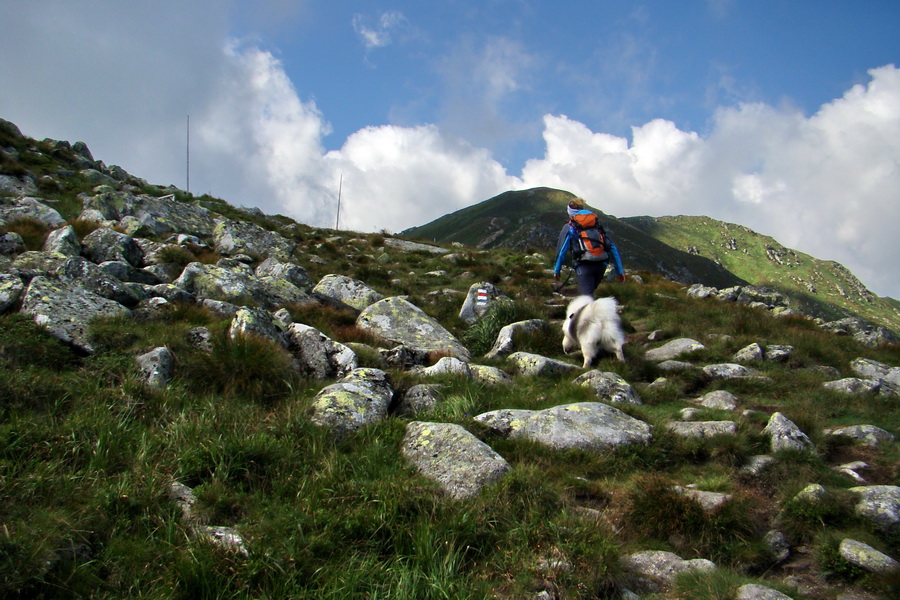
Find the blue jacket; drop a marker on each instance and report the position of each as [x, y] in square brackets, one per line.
[566, 236]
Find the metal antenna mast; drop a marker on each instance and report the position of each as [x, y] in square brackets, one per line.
[337, 221]
[189, 154]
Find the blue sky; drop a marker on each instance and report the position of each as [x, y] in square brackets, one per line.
[781, 116]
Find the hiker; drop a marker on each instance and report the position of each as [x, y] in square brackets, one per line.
[591, 248]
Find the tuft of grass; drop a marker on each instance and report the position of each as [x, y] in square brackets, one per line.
[34, 233]
[482, 334]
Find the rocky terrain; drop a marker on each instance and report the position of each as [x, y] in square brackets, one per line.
[725, 416]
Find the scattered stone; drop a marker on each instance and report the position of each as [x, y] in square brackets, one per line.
[480, 298]
[785, 435]
[399, 321]
[867, 558]
[674, 349]
[751, 353]
[157, 367]
[673, 366]
[535, 364]
[753, 591]
[853, 385]
[609, 387]
[419, 399]
[351, 292]
[318, 356]
[880, 504]
[729, 371]
[505, 343]
[872, 369]
[867, 435]
[702, 429]
[659, 568]
[359, 399]
[718, 400]
[756, 464]
[11, 288]
[781, 548]
[709, 501]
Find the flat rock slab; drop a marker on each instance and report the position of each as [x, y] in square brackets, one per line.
[399, 321]
[587, 426]
[457, 460]
[674, 349]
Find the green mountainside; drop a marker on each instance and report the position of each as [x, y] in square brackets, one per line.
[684, 249]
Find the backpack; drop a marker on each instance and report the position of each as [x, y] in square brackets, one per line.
[590, 239]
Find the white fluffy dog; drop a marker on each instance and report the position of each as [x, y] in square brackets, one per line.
[593, 324]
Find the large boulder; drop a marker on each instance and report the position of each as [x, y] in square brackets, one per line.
[658, 568]
[527, 363]
[241, 237]
[295, 274]
[398, 321]
[104, 244]
[63, 241]
[66, 310]
[587, 426]
[31, 264]
[867, 558]
[257, 322]
[785, 435]
[448, 454]
[83, 272]
[867, 435]
[166, 215]
[11, 288]
[702, 429]
[480, 298]
[318, 355]
[352, 292]
[234, 282]
[359, 399]
[880, 504]
[872, 369]
[505, 343]
[12, 209]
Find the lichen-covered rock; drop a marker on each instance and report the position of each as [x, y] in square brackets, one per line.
[258, 322]
[880, 504]
[11, 288]
[657, 567]
[537, 365]
[489, 375]
[718, 400]
[91, 277]
[31, 264]
[405, 246]
[166, 215]
[868, 435]
[454, 458]
[708, 501]
[729, 371]
[318, 355]
[11, 243]
[853, 385]
[419, 399]
[587, 426]
[126, 273]
[480, 298]
[813, 493]
[866, 557]
[751, 353]
[295, 274]
[12, 209]
[104, 244]
[242, 237]
[609, 387]
[778, 352]
[867, 334]
[398, 321]
[357, 400]
[235, 282]
[702, 429]
[157, 367]
[785, 435]
[64, 241]
[778, 543]
[872, 369]
[66, 310]
[505, 343]
[352, 292]
[447, 365]
[674, 349]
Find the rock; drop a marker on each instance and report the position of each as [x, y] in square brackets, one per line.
[751, 353]
[12, 209]
[103, 244]
[673, 366]
[867, 334]
[757, 464]
[448, 365]
[226, 538]
[398, 321]
[880, 504]
[358, 399]
[785, 435]
[729, 371]
[242, 237]
[708, 501]
[121, 270]
[872, 369]
[609, 387]
[779, 353]
[318, 355]
[754, 591]
[295, 274]
[258, 322]
[406, 246]
[813, 493]
[350, 291]
[867, 435]
[718, 400]
[235, 283]
[157, 367]
[702, 429]
[587, 426]
[480, 298]
[657, 567]
[86, 274]
[867, 558]
[778, 543]
[419, 399]
[11, 288]
[166, 215]
[63, 241]
[448, 454]
[489, 375]
[29, 265]
[505, 343]
[537, 365]
[11, 243]
[853, 385]
[674, 349]
[66, 310]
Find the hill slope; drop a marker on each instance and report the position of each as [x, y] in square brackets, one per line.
[684, 249]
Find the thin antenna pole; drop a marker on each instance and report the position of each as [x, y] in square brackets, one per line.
[189, 154]
[337, 221]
